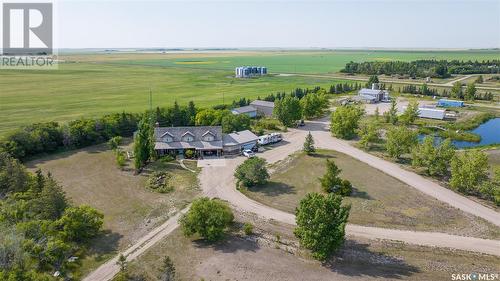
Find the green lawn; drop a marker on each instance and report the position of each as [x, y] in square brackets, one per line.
[377, 200]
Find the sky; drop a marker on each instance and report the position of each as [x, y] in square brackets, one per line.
[278, 24]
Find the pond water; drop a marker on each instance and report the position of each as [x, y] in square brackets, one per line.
[489, 132]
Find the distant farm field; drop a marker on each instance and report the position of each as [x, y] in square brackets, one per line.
[91, 85]
[90, 89]
[312, 62]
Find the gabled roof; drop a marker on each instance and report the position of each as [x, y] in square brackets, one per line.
[188, 133]
[166, 133]
[262, 103]
[208, 132]
[244, 109]
[196, 131]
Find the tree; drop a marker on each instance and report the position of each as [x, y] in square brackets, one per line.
[373, 79]
[480, 79]
[313, 105]
[168, 273]
[287, 110]
[309, 144]
[434, 159]
[468, 171]
[13, 175]
[344, 121]
[368, 133]
[209, 218]
[410, 114]
[456, 90]
[122, 262]
[400, 140]
[332, 183]
[321, 221]
[208, 117]
[191, 112]
[470, 92]
[234, 123]
[81, 223]
[252, 172]
[377, 113]
[391, 116]
[142, 144]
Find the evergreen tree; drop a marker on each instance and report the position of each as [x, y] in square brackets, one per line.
[332, 183]
[142, 144]
[309, 144]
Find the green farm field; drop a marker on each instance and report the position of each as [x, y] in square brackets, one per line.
[94, 84]
[89, 90]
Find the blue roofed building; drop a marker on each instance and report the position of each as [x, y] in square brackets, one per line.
[450, 103]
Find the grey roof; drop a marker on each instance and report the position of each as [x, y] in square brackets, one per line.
[365, 91]
[197, 131]
[244, 109]
[364, 97]
[239, 138]
[198, 145]
[263, 103]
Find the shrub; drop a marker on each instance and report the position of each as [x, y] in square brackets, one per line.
[121, 159]
[248, 228]
[114, 142]
[252, 172]
[160, 182]
[167, 158]
[189, 153]
[332, 183]
[208, 218]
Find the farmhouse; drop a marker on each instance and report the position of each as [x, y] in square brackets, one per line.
[372, 95]
[249, 110]
[236, 142]
[264, 108]
[202, 140]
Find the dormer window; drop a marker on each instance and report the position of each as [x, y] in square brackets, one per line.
[188, 137]
[208, 136]
[167, 137]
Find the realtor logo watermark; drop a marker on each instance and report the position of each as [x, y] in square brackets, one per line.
[27, 36]
[475, 276]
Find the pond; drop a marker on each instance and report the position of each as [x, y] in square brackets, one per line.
[489, 132]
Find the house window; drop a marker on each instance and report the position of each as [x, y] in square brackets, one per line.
[188, 138]
[167, 139]
[208, 138]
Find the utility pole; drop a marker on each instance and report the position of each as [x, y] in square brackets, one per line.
[150, 100]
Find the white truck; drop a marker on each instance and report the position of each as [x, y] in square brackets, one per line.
[269, 138]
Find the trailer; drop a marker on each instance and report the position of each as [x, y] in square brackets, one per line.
[269, 138]
[431, 113]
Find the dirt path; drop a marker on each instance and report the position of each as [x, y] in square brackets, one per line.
[219, 182]
[109, 269]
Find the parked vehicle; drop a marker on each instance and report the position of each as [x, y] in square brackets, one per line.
[301, 123]
[248, 153]
[269, 138]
